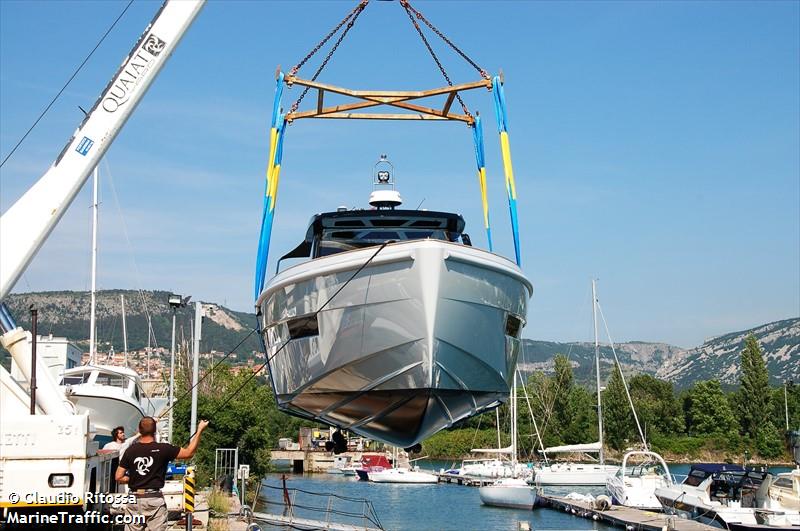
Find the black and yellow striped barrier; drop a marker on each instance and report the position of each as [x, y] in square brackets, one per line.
[188, 490]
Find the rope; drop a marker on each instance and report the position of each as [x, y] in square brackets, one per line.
[624, 383]
[209, 372]
[75, 73]
[350, 19]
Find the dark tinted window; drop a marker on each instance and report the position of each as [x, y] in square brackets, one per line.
[695, 477]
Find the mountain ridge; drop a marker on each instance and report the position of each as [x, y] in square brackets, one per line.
[66, 313]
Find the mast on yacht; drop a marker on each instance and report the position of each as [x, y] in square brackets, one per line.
[124, 329]
[92, 316]
[597, 369]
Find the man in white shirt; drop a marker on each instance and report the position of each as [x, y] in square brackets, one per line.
[117, 439]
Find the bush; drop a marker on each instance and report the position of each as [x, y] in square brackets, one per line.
[218, 502]
[680, 444]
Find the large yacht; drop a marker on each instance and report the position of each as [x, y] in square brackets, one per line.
[395, 326]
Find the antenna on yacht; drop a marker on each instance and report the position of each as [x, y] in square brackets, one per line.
[384, 195]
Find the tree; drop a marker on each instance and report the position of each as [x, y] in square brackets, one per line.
[582, 413]
[769, 442]
[617, 418]
[658, 409]
[754, 395]
[562, 385]
[708, 411]
[541, 390]
[250, 421]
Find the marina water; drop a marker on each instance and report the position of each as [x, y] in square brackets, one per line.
[435, 507]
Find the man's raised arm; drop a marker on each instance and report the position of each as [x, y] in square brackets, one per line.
[188, 452]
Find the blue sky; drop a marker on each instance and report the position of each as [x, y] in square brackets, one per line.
[655, 147]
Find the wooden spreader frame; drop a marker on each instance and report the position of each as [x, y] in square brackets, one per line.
[377, 98]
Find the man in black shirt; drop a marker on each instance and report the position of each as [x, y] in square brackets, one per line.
[145, 463]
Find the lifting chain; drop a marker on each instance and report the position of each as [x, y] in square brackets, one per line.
[442, 36]
[410, 11]
[350, 20]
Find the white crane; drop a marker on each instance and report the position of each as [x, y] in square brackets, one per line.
[25, 226]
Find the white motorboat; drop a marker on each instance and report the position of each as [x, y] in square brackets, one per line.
[727, 496]
[110, 395]
[784, 492]
[634, 485]
[351, 470]
[396, 327]
[402, 475]
[340, 462]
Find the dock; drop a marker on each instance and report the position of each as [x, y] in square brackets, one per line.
[459, 479]
[317, 461]
[620, 516]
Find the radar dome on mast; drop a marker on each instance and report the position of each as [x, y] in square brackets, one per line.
[383, 193]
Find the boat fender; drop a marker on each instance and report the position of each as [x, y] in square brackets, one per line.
[602, 503]
[253, 527]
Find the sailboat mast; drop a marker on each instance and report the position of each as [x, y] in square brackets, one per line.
[149, 333]
[514, 426]
[497, 420]
[597, 369]
[124, 329]
[92, 318]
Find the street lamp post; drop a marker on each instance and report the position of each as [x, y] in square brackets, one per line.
[175, 302]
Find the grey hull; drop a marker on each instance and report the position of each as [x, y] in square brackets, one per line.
[415, 342]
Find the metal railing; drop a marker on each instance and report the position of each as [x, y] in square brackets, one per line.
[288, 505]
[226, 463]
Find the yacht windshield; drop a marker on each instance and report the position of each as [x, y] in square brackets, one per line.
[336, 240]
[112, 380]
[76, 379]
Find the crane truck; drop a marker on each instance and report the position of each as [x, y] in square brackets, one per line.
[49, 461]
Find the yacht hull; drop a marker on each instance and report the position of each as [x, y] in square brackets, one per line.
[399, 475]
[415, 342]
[511, 492]
[636, 495]
[106, 412]
[573, 474]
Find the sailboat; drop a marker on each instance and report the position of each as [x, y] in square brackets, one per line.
[580, 473]
[395, 326]
[513, 492]
[402, 472]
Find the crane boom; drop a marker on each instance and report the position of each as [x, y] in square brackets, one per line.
[25, 226]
